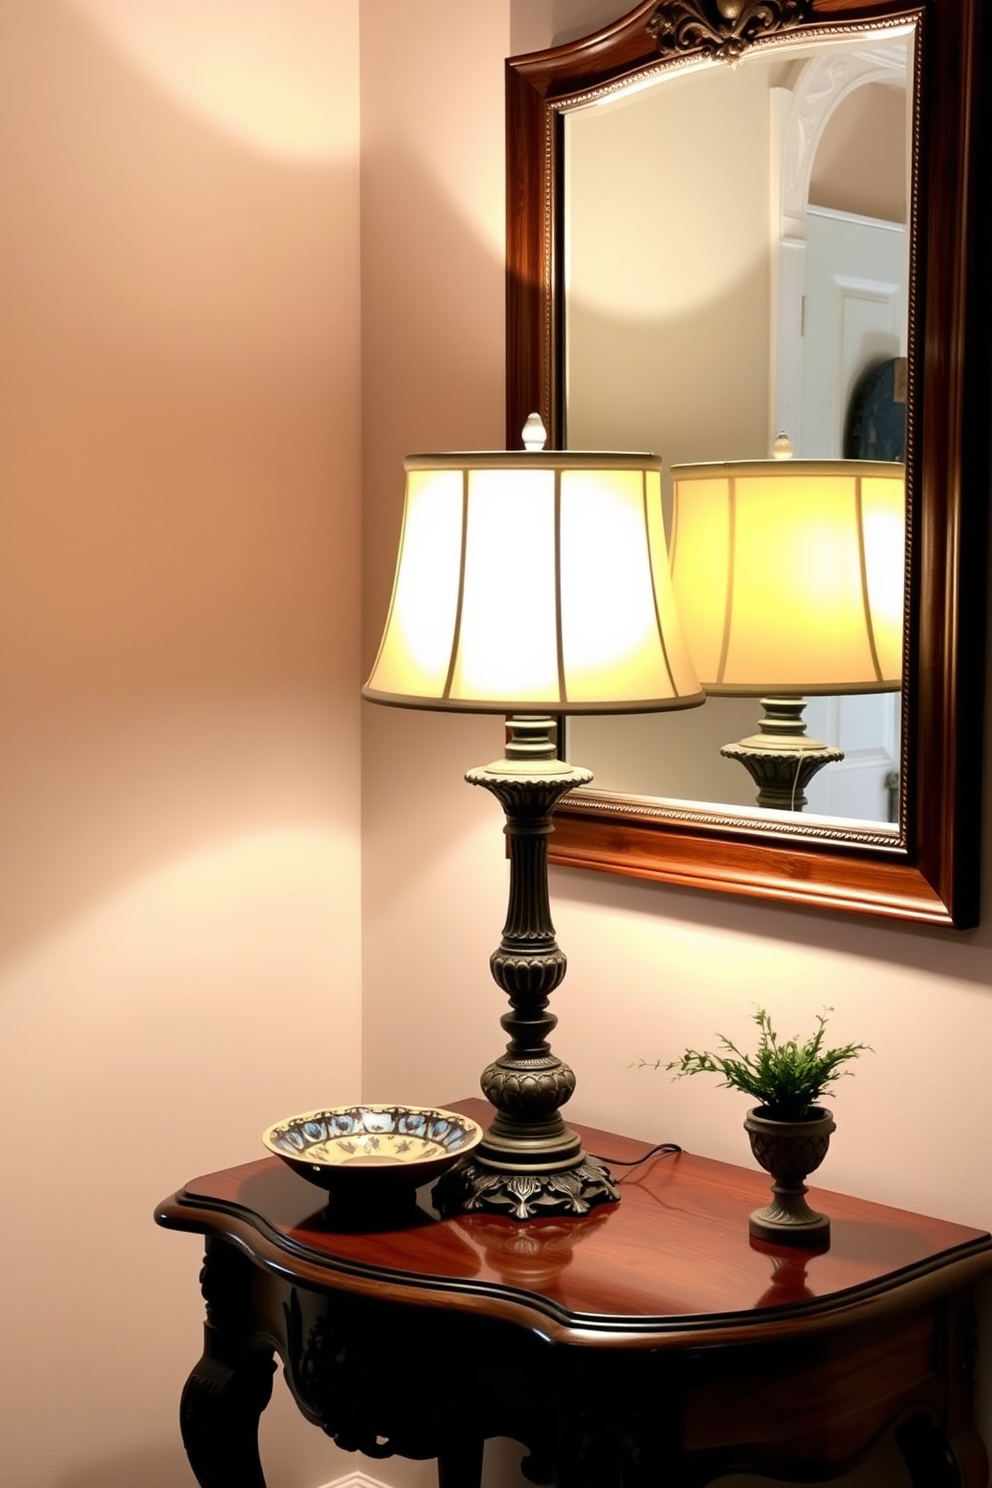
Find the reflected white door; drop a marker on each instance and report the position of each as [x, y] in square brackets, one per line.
[867, 729]
[854, 317]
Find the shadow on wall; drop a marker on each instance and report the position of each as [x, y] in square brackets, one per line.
[572, 19]
[180, 466]
[962, 955]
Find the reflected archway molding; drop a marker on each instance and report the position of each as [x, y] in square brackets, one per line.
[802, 115]
[930, 872]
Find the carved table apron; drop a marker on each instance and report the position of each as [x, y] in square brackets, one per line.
[641, 1342]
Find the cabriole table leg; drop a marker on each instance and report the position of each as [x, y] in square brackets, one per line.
[231, 1384]
[219, 1417]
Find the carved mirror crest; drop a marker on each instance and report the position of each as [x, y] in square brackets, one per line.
[669, 192]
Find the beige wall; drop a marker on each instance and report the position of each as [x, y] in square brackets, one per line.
[179, 762]
[432, 346]
[179, 775]
[650, 969]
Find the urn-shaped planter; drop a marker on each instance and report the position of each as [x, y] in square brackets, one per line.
[789, 1151]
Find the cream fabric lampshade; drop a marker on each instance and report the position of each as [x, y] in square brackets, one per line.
[789, 574]
[533, 582]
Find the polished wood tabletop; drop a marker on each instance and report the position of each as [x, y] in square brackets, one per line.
[672, 1260]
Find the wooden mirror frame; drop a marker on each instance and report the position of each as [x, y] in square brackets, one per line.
[930, 871]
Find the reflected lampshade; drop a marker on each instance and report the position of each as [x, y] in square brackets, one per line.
[533, 582]
[789, 575]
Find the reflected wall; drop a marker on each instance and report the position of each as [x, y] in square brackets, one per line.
[712, 299]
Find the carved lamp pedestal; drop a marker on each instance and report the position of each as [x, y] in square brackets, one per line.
[780, 758]
[528, 1162]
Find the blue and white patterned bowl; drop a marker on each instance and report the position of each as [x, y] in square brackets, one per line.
[353, 1148]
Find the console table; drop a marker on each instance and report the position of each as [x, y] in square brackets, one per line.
[646, 1342]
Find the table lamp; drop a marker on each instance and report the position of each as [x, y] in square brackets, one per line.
[531, 583]
[789, 579]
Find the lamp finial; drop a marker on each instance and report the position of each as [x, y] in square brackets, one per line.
[534, 434]
[783, 448]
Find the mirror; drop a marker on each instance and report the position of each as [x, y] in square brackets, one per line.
[683, 234]
[674, 343]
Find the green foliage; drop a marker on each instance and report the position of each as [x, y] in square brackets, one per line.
[786, 1078]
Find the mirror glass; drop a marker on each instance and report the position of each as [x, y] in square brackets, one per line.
[736, 248]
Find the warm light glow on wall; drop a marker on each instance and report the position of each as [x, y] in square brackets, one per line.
[256, 69]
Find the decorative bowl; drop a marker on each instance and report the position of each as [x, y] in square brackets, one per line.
[372, 1150]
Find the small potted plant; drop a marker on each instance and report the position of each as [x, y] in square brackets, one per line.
[788, 1130]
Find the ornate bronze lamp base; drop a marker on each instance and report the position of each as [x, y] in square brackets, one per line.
[780, 759]
[522, 1194]
[528, 1163]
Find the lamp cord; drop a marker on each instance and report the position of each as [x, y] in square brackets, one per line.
[665, 1149]
[795, 783]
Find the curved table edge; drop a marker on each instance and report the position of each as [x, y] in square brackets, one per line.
[913, 1285]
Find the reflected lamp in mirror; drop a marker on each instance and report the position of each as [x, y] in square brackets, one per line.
[789, 577]
[531, 584]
